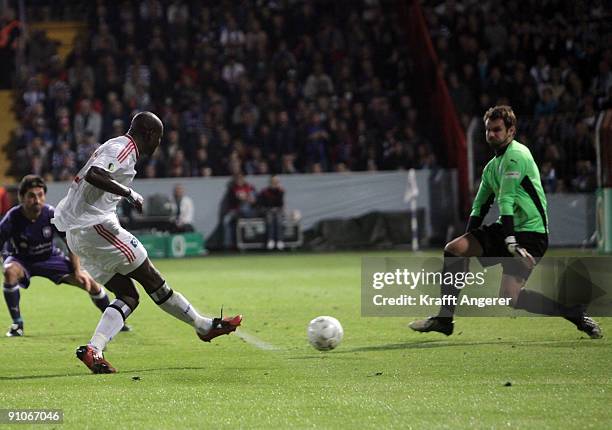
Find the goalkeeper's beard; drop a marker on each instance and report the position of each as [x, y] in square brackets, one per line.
[496, 145]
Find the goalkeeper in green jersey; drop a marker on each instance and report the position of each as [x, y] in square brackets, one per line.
[517, 240]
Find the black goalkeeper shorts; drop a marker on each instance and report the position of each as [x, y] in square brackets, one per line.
[491, 238]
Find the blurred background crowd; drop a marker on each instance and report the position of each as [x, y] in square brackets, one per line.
[260, 87]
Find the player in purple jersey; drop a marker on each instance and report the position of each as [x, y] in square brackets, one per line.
[27, 234]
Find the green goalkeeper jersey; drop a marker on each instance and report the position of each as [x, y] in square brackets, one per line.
[512, 178]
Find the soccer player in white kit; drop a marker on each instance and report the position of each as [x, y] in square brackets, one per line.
[112, 255]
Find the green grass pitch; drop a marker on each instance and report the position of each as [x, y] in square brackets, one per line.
[381, 376]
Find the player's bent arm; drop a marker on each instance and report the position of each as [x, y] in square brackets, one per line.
[512, 173]
[5, 230]
[482, 204]
[80, 276]
[74, 259]
[100, 178]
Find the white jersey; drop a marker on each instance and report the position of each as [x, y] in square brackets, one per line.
[86, 205]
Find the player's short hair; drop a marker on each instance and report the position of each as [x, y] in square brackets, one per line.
[501, 112]
[31, 181]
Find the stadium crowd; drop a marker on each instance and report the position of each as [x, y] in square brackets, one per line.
[264, 87]
[550, 60]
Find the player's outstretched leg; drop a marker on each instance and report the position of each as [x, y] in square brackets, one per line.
[587, 325]
[221, 326]
[533, 301]
[179, 307]
[175, 304]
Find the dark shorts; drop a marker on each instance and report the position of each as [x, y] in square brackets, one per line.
[55, 268]
[491, 238]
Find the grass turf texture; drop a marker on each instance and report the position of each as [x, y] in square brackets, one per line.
[382, 375]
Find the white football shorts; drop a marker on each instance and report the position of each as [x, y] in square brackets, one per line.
[106, 249]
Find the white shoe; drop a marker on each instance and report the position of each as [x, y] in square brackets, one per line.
[15, 330]
[280, 245]
[270, 244]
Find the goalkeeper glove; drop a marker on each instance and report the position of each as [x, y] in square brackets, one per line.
[517, 250]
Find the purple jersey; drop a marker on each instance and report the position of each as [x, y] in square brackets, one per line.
[29, 240]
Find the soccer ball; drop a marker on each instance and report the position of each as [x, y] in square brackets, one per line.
[325, 333]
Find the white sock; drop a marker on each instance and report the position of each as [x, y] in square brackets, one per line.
[179, 307]
[109, 325]
[100, 295]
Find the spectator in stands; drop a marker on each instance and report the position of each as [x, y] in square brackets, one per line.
[39, 166]
[283, 141]
[256, 164]
[80, 72]
[64, 132]
[182, 210]
[118, 127]
[232, 71]
[582, 146]
[34, 157]
[396, 153]
[42, 132]
[317, 142]
[548, 176]
[462, 96]
[585, 180]
[201, 165]
[85, 147]
[60, 98]
[318, 83]
[231, 37]
[547, 104]
[241, 198]
[271, 201]
[63, 162]
[178, 165]
[114, 111]
[155, 166]
[87, 120]
[34, 92]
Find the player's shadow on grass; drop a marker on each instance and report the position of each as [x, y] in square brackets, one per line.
[122, 374]
[131, 373]
[157, 369]
[448, 343]
[28, 377]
